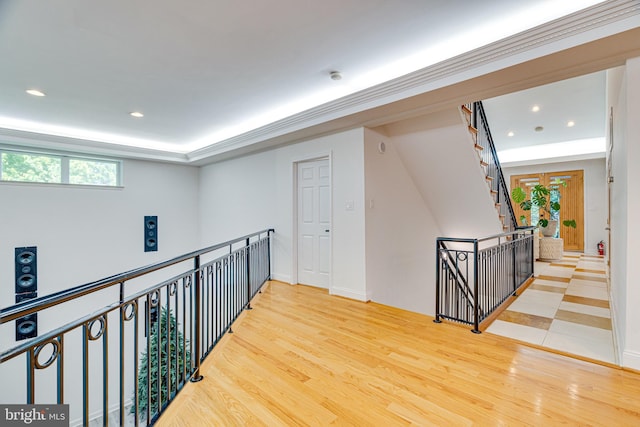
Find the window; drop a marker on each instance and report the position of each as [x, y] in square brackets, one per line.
[23, 166]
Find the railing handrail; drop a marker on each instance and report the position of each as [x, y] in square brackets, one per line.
[27, 307]
[484, 239]
[501, 181]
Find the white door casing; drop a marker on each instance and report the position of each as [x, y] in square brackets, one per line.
[314, 222]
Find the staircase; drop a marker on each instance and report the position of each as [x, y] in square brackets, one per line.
[477, 124]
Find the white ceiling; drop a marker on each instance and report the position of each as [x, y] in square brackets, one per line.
[207, 71]
[580, 100]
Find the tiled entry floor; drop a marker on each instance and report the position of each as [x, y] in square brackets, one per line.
[566, 308]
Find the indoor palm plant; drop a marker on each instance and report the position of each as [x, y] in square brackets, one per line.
[541, 196]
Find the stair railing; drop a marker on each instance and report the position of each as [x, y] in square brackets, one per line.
[494, 170]
[475, 276]
[128, 359]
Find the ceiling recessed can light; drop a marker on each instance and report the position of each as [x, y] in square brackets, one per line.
[35, 92]
[335, 75]
[137, 114]
[571, 123]
[510, 134]
[535, 108]
[538, 129]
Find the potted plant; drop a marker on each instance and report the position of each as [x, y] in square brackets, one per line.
[541, 197]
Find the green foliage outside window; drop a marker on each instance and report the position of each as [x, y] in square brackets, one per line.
[30, 168]
[91, 172]
[51, 168]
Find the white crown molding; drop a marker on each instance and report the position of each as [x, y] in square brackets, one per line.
[75, 145]
[593, 23]
[602, 20]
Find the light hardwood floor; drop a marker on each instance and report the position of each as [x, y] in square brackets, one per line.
[302, 357]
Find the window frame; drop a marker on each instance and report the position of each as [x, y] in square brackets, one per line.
[65, 159]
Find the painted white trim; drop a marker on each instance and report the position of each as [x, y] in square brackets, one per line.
[349, 293]
[631, 359]
[285, 278]
[614, 325]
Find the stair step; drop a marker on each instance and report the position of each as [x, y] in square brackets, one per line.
[483, 163]
[473, 130]
[478, 147]
[489, 178]
[466, 109]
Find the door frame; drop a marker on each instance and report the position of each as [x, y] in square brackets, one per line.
[328, 155]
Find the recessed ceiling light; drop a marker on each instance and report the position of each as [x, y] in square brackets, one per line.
[510, 134]
[538, 129]
[335, 75]
[571, 123]
[137, 114]
[35, 92]
[535, 108]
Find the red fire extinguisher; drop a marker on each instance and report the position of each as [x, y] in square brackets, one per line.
[601, 247]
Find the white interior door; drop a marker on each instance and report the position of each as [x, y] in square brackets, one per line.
[314, 223]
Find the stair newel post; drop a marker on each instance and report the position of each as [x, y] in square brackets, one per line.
[197, 318]
[438, 261]
[476, 308]
[248, 272]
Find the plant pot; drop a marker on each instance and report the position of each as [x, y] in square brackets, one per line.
[550, 229]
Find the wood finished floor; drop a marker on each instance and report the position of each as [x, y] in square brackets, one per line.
[302, 357]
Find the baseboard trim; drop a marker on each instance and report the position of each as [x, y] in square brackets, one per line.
[284, 278]
[350, 293]
[631, 360]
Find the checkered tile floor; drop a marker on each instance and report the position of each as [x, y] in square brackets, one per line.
[566, 308]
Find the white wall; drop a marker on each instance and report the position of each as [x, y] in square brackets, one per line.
[261, 188]
[624, 97]
[631, 353]
[595, 187]
[400, 232]
[84, 234]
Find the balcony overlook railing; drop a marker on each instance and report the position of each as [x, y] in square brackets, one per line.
[128, 359]
[472, 282]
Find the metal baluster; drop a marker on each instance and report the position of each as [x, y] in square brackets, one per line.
[85, 375]
[105, 371]
[60, 368]
[196, 375]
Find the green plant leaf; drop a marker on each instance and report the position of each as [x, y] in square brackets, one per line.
[555, 206]
[518, 195]
[570, 223]
[543, 222]
[526, 205]
[523, 219]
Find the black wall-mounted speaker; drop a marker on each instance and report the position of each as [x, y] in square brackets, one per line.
[150, 233]
[27, 326]
[26, 269]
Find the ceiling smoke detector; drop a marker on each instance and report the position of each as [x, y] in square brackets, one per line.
[538, 129]
[335, 75]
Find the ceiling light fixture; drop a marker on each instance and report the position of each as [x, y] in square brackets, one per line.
[535, 108]
[335, 75]
[35, 92]
[571, 123]
[510, 134]
[538, 129]
[136, 114]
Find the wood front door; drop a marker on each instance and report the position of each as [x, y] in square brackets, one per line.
[571, 199]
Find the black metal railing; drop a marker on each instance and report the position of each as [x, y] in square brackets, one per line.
[489, 156]
[473, 281]
[129, 358]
